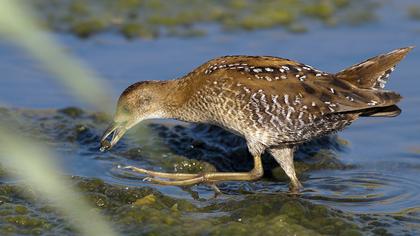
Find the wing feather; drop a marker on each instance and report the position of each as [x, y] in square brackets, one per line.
[309, 91]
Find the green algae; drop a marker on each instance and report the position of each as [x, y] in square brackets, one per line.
[136, 30]
[84, 29]
[147, 200]
[21, 209]
[321, 10]
[154, 18]
[72, 112]
[281, 210]
[144, 210]
[20, 214]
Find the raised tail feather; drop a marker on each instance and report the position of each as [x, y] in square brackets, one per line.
[389, 111]
[370, 78]
[374, 72]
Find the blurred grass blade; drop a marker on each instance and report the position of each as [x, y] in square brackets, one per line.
[18, 24]
[32, 161]
[38, 168]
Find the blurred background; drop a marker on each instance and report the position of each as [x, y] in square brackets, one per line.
[65, 62]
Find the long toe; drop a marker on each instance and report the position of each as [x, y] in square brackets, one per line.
[151, 173]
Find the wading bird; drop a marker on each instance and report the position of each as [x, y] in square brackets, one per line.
[274, 103]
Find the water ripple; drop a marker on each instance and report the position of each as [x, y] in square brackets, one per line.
[364, 191]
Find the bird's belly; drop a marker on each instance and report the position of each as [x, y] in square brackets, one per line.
[273, 134]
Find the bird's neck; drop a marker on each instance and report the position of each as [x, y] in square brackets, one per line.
[175, 95]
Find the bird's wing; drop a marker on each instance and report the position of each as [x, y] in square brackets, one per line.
[290, 85]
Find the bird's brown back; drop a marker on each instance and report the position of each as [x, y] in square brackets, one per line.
[276, 99]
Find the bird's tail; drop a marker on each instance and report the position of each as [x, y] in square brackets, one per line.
[374, 72]
[371, 77]
[389, 111]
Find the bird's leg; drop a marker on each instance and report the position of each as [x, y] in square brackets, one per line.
[216, 190]
[151, 173]
[210, 178]
[284, 156]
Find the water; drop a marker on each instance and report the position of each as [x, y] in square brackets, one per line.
[383, 155]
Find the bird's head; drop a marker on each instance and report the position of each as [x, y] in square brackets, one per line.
[140, 101]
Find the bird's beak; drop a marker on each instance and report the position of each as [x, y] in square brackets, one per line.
[117, 129]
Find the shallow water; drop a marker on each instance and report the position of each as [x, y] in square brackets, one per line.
[370, 171]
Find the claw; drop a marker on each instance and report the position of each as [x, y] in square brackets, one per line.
[149, 179]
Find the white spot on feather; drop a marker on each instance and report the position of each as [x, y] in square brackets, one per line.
[350, 98]
[286, 99]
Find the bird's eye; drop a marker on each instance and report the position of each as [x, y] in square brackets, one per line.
[126, 109]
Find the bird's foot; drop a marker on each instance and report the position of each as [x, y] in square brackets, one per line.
[176, 179]
[295, 187]
[152, 174]
[211, 178]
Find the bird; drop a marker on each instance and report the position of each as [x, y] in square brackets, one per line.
[274, 103]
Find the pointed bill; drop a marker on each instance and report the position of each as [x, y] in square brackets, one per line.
[117, 130]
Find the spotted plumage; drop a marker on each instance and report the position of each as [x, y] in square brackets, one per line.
[291, 110]
[274, 103]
